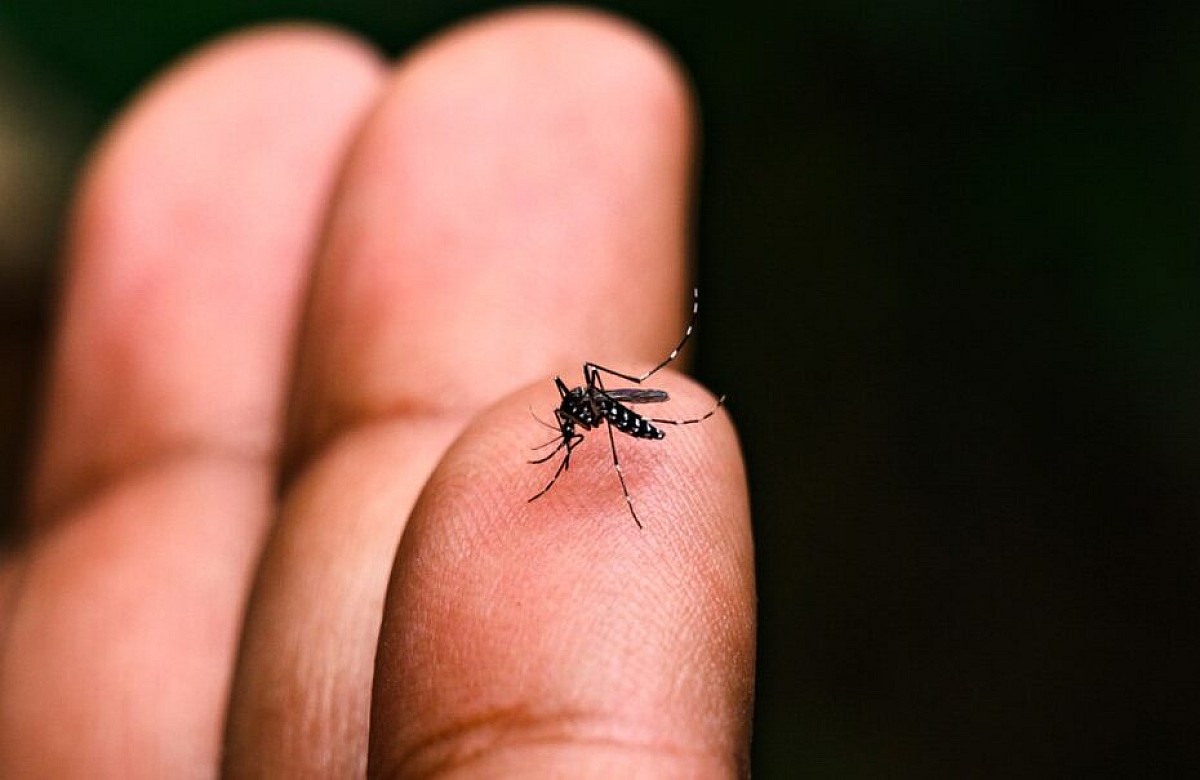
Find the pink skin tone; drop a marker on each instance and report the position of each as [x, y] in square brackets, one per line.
[278, 519]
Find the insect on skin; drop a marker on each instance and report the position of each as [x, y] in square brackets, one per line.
[591, 405]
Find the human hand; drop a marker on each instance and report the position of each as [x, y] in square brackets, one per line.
[400, 260]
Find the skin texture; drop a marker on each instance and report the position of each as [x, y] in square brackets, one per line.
[278, 519]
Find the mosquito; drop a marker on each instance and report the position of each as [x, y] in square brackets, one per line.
[591, 405]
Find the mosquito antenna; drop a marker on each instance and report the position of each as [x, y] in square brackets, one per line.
[547, 444]
[542, 422]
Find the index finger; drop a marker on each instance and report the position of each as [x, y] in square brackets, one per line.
[556, 635]
[516, 204]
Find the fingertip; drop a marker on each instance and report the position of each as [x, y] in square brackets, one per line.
[607, 58]
[521, 191]
[559, 621]
[242, 85]
[188, 249]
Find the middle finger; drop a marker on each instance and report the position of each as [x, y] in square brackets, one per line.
[518, 173]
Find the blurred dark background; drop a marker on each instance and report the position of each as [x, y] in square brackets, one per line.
[948, 256]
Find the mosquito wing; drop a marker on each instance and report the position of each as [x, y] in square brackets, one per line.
[637, 395]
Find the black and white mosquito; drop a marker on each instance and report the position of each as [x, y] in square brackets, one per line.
[592, 404]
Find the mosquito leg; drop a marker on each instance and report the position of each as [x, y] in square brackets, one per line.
[550, 484]
[553, 452]
[621, 475]
[709, 413]
[590, 369]
[565, 430]
[596, 385]
[566, 463]
[543, 423]
[593, 384]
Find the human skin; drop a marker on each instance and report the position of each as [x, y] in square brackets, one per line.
[278, 520]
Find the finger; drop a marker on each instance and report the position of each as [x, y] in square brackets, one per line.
[187, 256]
[189, 249]
[520, 172]
[519, 198]
[555, 634]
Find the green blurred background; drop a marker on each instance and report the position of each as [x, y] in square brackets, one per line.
[948, 260]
